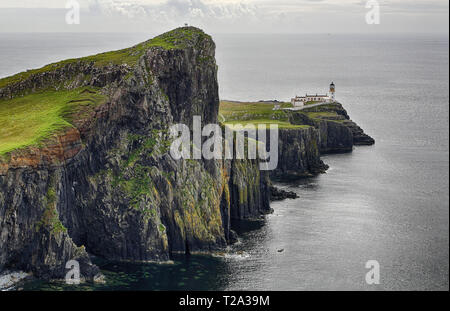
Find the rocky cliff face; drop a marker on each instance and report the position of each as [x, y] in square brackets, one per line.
[337, 132]
[108, 185]
[249, 190]
[299, 154]
[327, 129]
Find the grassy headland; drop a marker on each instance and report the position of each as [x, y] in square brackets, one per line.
[231, 113]
[175, 39]
[30, 119]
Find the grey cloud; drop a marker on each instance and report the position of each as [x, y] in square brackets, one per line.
[173, 9]
[411, 6]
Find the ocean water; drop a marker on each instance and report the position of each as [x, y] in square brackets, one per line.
[388, 202]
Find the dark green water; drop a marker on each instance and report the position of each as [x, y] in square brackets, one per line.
[195, 272]
[187, 273]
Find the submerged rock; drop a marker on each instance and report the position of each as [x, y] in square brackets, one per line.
[277, 194]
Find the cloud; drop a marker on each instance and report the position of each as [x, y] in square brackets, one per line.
[174, 9]
[233, 16]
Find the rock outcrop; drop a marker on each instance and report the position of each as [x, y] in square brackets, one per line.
[337, 132]
[326, 129]
[277, 194]
[298, 154]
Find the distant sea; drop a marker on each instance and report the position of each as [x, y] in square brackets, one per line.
[389, 202]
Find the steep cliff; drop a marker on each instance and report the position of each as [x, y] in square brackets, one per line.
[304, 135]
[298, 154]
[337, 132]
[102, 180]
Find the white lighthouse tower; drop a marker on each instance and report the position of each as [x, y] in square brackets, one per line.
[332, 91]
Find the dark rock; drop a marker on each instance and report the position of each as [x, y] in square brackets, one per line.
[233, 237]
[338, 133]
[299, 154]
[277, 194]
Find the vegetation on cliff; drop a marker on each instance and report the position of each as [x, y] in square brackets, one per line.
[29, 120]
[231, 113]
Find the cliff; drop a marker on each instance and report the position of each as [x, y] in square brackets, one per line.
[304, 135]
[98, 178]
[337, 132]
[299, 154]
[328, 130]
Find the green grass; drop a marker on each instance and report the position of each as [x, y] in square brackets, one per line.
[28, 120]
[256, 122]
[311, 103]
[178, 38]
[240, 111]
[331, 106]
[228, 108]
[321, 114]
[231, 113]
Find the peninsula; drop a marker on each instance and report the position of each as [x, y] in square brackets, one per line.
[85, 165]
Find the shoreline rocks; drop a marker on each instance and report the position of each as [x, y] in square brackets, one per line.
[9, 280]
[277, 194]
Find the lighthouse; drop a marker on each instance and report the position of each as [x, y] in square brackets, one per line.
[332, 90]
[300, 101]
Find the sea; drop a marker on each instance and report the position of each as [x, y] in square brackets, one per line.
[387, 203]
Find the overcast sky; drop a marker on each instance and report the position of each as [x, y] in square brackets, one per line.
[226, 16]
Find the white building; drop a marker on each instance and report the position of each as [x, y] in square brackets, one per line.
[299, 101]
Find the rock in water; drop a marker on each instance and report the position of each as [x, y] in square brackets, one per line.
[277, 194]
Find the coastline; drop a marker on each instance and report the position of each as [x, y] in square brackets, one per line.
[111, 171]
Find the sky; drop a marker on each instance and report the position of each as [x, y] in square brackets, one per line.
[227, 16]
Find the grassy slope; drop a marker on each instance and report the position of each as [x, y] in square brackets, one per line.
[324, 112]
[31, 119]
[28, 120]
[256, 113]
